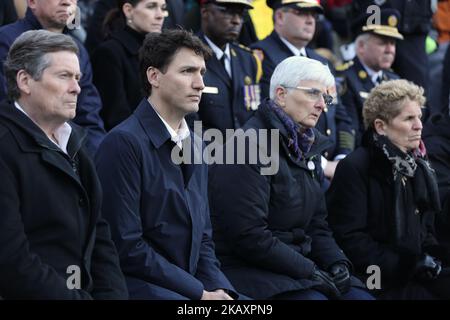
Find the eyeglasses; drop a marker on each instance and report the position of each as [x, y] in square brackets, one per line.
[315, 94]
[230, 11]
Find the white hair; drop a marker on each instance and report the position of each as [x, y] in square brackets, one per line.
[362, 38]
[292, 70]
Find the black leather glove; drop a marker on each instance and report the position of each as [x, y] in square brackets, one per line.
[325, 283]
[341, 277]
[427, 268]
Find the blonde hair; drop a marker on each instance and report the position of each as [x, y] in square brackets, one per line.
[386, 100]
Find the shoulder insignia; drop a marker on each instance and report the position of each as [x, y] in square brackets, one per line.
[259, 57]
[344, 66]
[244, 47]
[362, 74]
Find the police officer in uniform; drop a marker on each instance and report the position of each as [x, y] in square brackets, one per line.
[375, 53]
[231, 93]
[294, 27]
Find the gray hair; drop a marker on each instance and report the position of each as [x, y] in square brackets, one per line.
[292, 70]
[362, 38]
[29, 52]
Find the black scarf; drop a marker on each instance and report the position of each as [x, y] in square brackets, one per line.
[412, 165]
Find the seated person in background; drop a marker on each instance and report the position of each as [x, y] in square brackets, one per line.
[271, 231]
[436, 135]
[384, 196]
[54, 243]
[375, 53]
[115, 62]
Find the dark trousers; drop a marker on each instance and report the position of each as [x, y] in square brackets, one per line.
[311, 294]
[413, 290]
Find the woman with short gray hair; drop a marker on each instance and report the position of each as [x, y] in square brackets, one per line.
[270, 230]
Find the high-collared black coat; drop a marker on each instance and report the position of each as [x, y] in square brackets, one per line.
[115, 65]
[270, 230]
[50, 217]
[436, 136]
[361, 208]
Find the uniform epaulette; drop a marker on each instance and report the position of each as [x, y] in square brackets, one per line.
[244, 47]
[344, 66]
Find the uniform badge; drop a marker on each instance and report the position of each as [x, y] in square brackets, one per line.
[211, 90]
[392, 21]
[362, 74]
[311, 165]
[363, 94]
[251, 96]
[247, 80]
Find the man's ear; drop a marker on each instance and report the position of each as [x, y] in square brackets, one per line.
[279, 17]
[23, 81]
[153, 76]
[380, 127]
[31, 3]
[280, 96]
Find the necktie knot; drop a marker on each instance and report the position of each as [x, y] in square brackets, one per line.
[378, 79]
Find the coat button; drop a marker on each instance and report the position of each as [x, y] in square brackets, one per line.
[325, 109]
[325, 154]
[328, 132]
[417, 211]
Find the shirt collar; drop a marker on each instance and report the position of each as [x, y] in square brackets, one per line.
[179, 135]
[62, 134]
[372, 73]
[294, 49]
[217, 51]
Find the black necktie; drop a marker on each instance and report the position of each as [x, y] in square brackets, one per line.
[378, 80]
[222, 60]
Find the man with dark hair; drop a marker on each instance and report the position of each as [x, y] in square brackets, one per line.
[53, 15]
[158, 208]
[54, 243]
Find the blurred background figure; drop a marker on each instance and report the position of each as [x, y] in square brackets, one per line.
[115, 62]
[11, 10]
[375, 47]
[175, 10]
[232, 92]
[411, 60]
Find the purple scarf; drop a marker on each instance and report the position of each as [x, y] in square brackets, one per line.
[300, 139]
